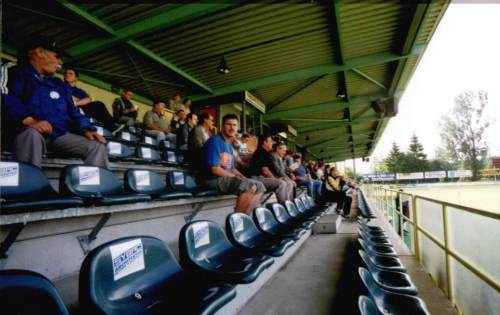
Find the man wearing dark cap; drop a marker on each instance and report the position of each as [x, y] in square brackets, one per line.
[41, 112]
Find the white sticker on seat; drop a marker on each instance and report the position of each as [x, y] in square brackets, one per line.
[9, 174]
[127, 258]
[171, 156]
[100, 130]
[115, 148]
[142, 178]
[146, 153]
[88, 175]
[238, 223]
[126, 136]
[201, 234]
[178, 178]
[148, 140]
[262, 219]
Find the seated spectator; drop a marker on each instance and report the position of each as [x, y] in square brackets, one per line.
[175, 103]
[124, 112]
[260, 169]
[348, 191]
[187, 106]
[332, 189]
[320, 171]
[183, 132]
[41, 112]
[96, 110]
[178, 121]
[197, 138]
[279, 168]
[155, 124]
[222, 173]
[304, 179]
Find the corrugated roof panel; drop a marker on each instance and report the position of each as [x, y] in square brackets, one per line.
[436, 11]
[272, 94]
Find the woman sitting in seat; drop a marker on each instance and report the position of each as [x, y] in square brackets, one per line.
[332, 189]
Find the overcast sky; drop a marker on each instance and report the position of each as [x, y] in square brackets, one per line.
[464, 54]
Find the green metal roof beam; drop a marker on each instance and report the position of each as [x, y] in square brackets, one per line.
[367, 77]
[163, 20]
[143, 50]
[86, 78]
[326, 106]
[340, 124]
[419, 16]
[293, 93]
[310, 72]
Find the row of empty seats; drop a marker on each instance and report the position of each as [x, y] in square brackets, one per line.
[364, 209]
[390, 288]
[140, 275]
[141, 154]
[25, 187]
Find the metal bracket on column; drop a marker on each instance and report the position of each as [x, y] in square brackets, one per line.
[87, 240]
[8, 241]
[196, 209]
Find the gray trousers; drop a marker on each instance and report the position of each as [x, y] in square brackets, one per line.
[160, 135]
[30, 145]
[283, 189]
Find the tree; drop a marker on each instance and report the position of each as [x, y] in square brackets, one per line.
[462, 131]
[379, 166]
[416, 159]
[394, 160]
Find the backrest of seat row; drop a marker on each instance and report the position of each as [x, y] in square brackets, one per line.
[88, 181]
[182, 181]
[292, 209]
[118, 150]
[201, 244]
[240, 229]
[281, 214]
[265, 220]
[144, 181]
[23, 181]
[301, 205]
[147, 153]
[24, 292]
[126, 276]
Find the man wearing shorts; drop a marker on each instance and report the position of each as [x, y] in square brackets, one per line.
[221, 170]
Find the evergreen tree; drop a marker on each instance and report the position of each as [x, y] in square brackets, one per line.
[394, 160]
[416, 159]
[416, 148]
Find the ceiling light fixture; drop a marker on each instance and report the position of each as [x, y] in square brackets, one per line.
[223, 68]
[341, 94]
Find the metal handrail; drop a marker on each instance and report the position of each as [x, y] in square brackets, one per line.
[443, 245]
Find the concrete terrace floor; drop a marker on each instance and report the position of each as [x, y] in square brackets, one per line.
[322, 278]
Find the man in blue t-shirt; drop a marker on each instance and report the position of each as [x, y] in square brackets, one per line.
[304, 179]
[221, 170]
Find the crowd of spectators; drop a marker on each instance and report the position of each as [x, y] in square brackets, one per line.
[46, 112]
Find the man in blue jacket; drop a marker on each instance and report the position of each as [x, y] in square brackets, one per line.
[41, 112]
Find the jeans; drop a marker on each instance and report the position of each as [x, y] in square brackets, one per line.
[313, 187]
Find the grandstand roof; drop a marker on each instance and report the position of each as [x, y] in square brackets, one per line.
[297, 57]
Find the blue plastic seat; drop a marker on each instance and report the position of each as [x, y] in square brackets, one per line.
[25, 187]
[365, 226]
[166, 144]
[398, 282]
[147, 155]
[183, 181]
[140, 275]
[299, 215]
[375, 240]
[364, 209]
[378, 249]
[24, 292]
[103, 132]
[389, 302]
[149, 141]
[118, 151]
[372, 232]
[304, 211]
[243, 233]
[384, 262]
[170, 158]
[313, 206]
[96, 185]
[137, 131]
[367, 306]
[204, 247]
[150, 183]
[127, 137]
[283, 217]
[267, 223]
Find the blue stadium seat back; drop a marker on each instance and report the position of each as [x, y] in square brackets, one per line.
[293, 210]
[382, 262]
[126, 136]
[25, 187]
[96, 185]
[367, 306]
[302, 210]
[284, 217]
[24, 292]
[389, 302]
[372, 232]
[170, 157]
[375, 240]
[204, 247]
[267, 223]
[166, 144]
[135, 130]
[103, 132]
[243, 233]
[183, 181]
[378, 249]
[126, 276]
[148, 154]
[300, 204]
[144, 182]
[117, 150]
[149, 141]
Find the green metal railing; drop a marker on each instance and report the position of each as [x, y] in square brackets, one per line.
[402, 211]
